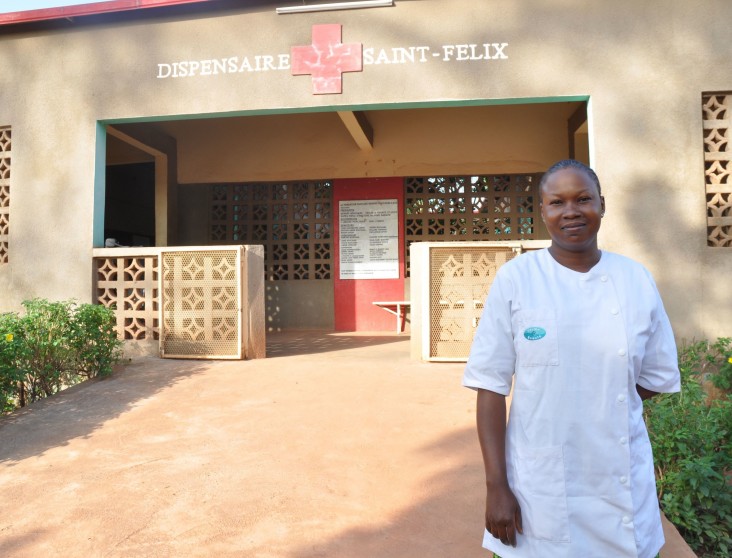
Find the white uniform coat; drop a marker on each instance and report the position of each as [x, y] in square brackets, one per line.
[578, 456]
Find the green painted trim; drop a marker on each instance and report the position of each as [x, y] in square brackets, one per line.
[100, 170]
[333, 108]
[591, 132]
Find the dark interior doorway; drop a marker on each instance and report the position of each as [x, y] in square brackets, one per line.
[129, 212]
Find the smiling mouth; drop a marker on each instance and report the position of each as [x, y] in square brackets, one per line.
[573, 227]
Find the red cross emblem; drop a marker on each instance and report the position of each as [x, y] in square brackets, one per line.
[326, 59]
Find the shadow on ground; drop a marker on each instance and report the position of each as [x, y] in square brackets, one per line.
[9, 543]
[81, 409]
[443, 519]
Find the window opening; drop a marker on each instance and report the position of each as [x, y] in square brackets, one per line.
[717, 121]
[5, 156]
[481, 207]
[293, 220]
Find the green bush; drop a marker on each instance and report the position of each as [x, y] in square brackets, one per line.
[723, 379]
[53, 346]
[94, 340]
[9, 373]
[44, 352]
[690, 435]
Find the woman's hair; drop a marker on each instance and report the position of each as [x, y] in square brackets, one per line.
[570, 164]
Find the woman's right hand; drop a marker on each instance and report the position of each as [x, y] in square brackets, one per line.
[502, 510]
[503, 514]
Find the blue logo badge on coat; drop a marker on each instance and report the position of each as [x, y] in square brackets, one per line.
[534, 333]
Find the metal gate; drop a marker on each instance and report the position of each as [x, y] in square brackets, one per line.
[208, 305]
[459, 283]
[449, 284]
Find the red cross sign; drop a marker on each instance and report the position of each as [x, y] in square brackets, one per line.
[326, 59]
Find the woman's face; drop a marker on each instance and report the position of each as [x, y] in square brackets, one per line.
[572, 208]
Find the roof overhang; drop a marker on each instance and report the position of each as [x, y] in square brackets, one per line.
[58, 9]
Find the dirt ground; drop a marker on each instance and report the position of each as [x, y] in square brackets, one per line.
[336, 445]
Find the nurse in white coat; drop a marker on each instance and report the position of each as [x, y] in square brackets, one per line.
[583, 337]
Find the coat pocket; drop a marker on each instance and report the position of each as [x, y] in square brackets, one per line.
[536, 338]
[541, 490]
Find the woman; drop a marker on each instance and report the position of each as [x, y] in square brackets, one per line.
[583, 337]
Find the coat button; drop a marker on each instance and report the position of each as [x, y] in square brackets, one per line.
[603, 278]
[623, 480]
[623, 441]
[626, 519]
[621, 398]
[614, 311]
[621, 352]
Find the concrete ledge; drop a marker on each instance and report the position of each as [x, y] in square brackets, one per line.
[675, 546]
[141, 348]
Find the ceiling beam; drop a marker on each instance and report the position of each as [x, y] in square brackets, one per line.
[358, 126]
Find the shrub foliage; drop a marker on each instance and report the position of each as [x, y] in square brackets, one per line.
[692, 448]
[52, 346]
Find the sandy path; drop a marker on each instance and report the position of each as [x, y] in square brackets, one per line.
[334, 446]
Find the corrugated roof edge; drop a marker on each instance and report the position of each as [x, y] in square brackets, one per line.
[92, 8]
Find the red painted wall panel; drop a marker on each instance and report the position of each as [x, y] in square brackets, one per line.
[354, 310]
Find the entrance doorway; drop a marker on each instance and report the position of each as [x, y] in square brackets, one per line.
[129, 214]
[461, 173]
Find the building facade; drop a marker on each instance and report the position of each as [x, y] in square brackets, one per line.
[222, 122]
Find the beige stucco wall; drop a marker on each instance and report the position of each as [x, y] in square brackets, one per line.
[643, 66]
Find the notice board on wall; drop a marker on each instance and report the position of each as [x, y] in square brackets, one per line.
[369, 239]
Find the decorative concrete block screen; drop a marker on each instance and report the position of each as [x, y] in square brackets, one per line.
[717, 117]
[128, 282]
[5, 156]
[472, 208]
[293, 221]
[450, 282]
[212, 302]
